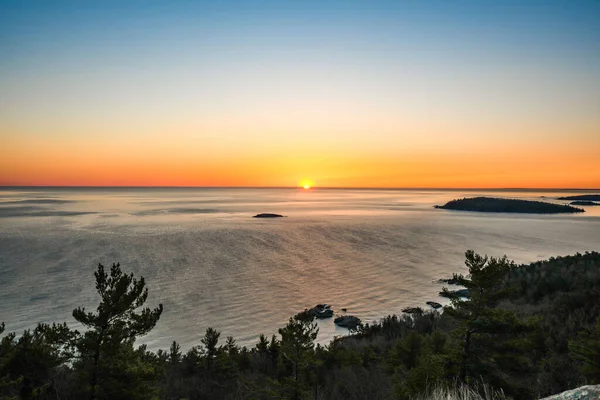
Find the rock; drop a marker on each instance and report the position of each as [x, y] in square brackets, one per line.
[267, 215]
[344, 309]
[320, 311]
[327, 313]
[583, 393]
[434, 304]
[460, 293]
[305, 316]
[348, 321]
[412, 310]
[450, 281]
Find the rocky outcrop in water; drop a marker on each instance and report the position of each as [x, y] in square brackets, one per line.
[433, 304]
[450, 281]
[321, 311]
[348, 321]
[268, 215]
[412, 310]
[460, 293]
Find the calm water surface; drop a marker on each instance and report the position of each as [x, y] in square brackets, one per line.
[211, 264]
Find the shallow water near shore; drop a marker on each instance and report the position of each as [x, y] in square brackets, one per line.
[373, 252]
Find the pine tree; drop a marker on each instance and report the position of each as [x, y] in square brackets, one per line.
[487, 332]
[28, 362]
[231, 346]
[210, 342]
[586, 349]
[115, 324]
[297, 344]
[175, 355]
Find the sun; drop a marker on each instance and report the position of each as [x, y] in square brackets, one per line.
[306, 184]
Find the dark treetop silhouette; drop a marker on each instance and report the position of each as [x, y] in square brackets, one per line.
[530, 330]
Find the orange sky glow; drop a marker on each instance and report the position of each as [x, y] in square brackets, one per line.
[383, 94]
[78, 165]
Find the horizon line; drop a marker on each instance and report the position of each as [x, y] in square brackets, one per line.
[283, 187]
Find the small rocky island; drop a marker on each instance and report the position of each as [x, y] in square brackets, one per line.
[320, 311]
[413, 310]
[434, 304]
[490, 204]
[584, 203]
[268, 215]
[462, 293]
[588, 197]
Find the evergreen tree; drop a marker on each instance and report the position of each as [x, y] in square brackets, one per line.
[274, 350]
[297, 343]
[210, 342]
[586, 349]
[175, 353]
[28, 362]
[487, 332]
[114, 326]
[231, 346]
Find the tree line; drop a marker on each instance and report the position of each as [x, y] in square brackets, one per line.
[528, 331]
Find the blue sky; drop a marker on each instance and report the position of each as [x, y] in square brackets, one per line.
[376, 77]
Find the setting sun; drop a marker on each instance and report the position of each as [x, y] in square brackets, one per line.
[306, 184]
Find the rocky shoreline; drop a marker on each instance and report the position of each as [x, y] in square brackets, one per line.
[324, 311]
[353, 323]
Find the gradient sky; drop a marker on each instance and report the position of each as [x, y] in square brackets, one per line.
[273, 93]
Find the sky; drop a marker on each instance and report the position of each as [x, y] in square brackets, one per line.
[279, 93]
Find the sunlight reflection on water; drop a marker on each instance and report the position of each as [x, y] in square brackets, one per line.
[211, 264]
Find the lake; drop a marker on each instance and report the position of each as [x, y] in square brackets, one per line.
[210, 263]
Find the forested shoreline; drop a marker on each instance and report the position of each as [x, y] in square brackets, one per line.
[528, 331]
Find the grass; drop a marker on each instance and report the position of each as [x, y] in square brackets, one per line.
[461, 392]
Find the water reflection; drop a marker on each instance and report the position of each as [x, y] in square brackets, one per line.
[211, 264]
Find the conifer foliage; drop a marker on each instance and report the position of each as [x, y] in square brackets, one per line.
[116, 322]
[586, 348]
[527, 331]
[487, 332]
[297, 344]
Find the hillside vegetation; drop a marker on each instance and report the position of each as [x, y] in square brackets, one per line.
[525, 332]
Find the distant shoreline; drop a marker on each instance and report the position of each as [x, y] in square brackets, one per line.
[541, 190]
